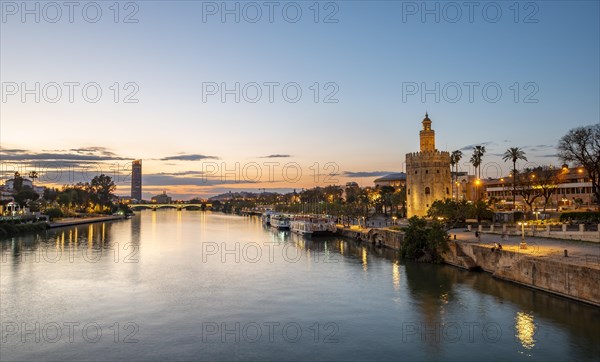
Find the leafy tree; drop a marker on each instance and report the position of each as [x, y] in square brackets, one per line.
[385, 195]
[453, 212]
[17, 182]
[481, 211]
[101, 189]
[26, 195]
[399, 200]
[514, 154]
[422, 242]
[581, 145]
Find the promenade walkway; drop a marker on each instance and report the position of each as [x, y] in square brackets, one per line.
[83, 220]
[579, 252]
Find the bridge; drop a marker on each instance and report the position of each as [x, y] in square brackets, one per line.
[155, 207]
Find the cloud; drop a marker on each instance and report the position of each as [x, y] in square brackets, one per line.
[470, 147]
[366, 173]
[276, 156]
[552, 155]
[182, 173]
[538, 147]
[79, 154]
[188, 157]
[163, 179]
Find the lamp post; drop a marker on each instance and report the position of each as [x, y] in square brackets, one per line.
[523, 244]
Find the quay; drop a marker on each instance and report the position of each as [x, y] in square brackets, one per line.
[85, 220]
[544, 265]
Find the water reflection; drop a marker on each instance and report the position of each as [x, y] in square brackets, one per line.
[525, 328]
[396, 275]
[375, 294]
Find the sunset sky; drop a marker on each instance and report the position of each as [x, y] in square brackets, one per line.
[367, 55]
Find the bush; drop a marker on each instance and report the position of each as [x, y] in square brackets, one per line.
[517, 216]
[8, 229]
[53, 213]
[583, 217]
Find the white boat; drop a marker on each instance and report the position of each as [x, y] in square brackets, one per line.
[312, 225]
[266, 217]
[280, 221]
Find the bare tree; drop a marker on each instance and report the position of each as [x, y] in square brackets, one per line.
[546, 181]
[581, 145]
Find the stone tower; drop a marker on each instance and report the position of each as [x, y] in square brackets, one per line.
[427, 174]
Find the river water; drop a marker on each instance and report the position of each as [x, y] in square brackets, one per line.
[193, 285]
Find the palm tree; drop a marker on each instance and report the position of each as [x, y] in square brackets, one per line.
[476, 159]
[514, 154]
[454, 160]
[33, 175]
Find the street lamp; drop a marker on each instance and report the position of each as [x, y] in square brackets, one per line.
[523, 244]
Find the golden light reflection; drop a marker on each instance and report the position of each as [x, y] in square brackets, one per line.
[76, 240]
[153, 223]
[525, 328]
[341, 248]
[396, 276]
[103, 232]
[364, 259]
[90, 236]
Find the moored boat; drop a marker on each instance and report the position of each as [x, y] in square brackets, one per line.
[266, 217]
[312, 225]
[280, 221]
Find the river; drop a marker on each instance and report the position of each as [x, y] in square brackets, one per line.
[194, 285]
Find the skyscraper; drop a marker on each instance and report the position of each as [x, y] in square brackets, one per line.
[136, 180]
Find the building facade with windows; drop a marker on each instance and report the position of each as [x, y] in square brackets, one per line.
[136, 180]
[573, 189]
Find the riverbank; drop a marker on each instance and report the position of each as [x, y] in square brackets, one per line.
[8, 229]
[85, 220]
[543, 265]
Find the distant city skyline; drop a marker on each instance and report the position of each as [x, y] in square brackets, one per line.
[187, 89]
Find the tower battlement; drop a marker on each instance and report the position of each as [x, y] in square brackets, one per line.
[427, 173]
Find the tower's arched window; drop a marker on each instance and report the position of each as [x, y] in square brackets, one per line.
[447, 191]
[427, 191]
[408, 191]
[438, 171]
[416, 172]
[426, 171]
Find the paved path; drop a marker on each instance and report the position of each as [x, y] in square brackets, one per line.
[580, 252]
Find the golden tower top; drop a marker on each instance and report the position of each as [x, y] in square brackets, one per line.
[427, 136]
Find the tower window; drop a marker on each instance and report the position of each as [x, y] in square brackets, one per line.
[438, 171]
[427, 191]
[426, 171]
[408, 191]
[447, 191]
[416, 172]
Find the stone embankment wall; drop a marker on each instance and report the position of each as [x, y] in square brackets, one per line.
[574, 281]
[380, 237]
